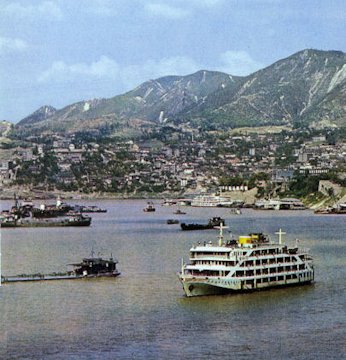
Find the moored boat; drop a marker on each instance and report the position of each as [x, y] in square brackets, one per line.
[76, 220]
[251, 262]
[88, 209]
[339, 209]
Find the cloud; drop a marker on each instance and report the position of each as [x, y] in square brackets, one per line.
[165, 10]
[108, 70]
[59, 71]
[238, 63]
[103, 8]
[126, 77]
[47, 9]
[153, 69]
[9, 45]
[206, 3]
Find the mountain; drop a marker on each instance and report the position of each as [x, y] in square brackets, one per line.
[303, 89]
[39, 115]
[153, 101]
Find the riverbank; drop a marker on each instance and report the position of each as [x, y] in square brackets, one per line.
[313, 201]
[34, 194]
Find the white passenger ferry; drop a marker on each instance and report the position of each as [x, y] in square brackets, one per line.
[252, 262]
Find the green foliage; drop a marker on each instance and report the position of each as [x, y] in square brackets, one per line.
[302, 185]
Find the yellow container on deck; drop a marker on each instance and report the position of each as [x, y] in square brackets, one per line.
[245, 239]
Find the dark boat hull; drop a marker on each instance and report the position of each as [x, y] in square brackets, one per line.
[212, 223]
[46, 223]
[188, 227]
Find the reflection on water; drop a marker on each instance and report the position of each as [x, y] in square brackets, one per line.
[143, 314]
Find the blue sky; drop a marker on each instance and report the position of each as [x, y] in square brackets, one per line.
[56, 52]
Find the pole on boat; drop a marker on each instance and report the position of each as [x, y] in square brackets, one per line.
[182, 266]
[221, 227]
[280, 233]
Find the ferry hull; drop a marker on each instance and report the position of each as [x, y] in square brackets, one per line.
[216, 286]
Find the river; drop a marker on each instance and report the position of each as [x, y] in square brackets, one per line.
[144, 314]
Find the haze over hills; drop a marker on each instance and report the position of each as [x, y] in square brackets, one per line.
[307, 88]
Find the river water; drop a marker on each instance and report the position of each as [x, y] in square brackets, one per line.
[143, 314]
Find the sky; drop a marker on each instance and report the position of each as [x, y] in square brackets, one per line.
[57, 52]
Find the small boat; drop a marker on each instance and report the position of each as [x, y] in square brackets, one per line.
[89, 268]
[235, 211]
[212, 223]
[150, 207]
[89, 209]
[179, 212]
[172, 221]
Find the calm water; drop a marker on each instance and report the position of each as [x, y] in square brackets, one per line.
[143, 314]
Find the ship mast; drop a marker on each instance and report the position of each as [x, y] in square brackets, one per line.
[221, 227]
[280, 233]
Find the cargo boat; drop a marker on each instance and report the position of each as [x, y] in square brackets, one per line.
[77, 220]
[249, 263]
[89, 268]
[215, 221]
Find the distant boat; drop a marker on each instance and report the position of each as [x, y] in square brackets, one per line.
[339, 209]
[235, 211]
[212, 201]
[172, 221]
[150, 207]
[89, 209]
[77, 220]
[212, 223]
[179, 212]
[281, 204]
[167, 202]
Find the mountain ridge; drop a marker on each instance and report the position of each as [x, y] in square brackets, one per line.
[305, 88]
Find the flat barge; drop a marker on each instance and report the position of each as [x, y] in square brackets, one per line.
[92, 267]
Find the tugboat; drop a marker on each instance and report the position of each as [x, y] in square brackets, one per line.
[150, 207]
[212, 223]
[89, 268]
[252, 262]
[96, 267]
